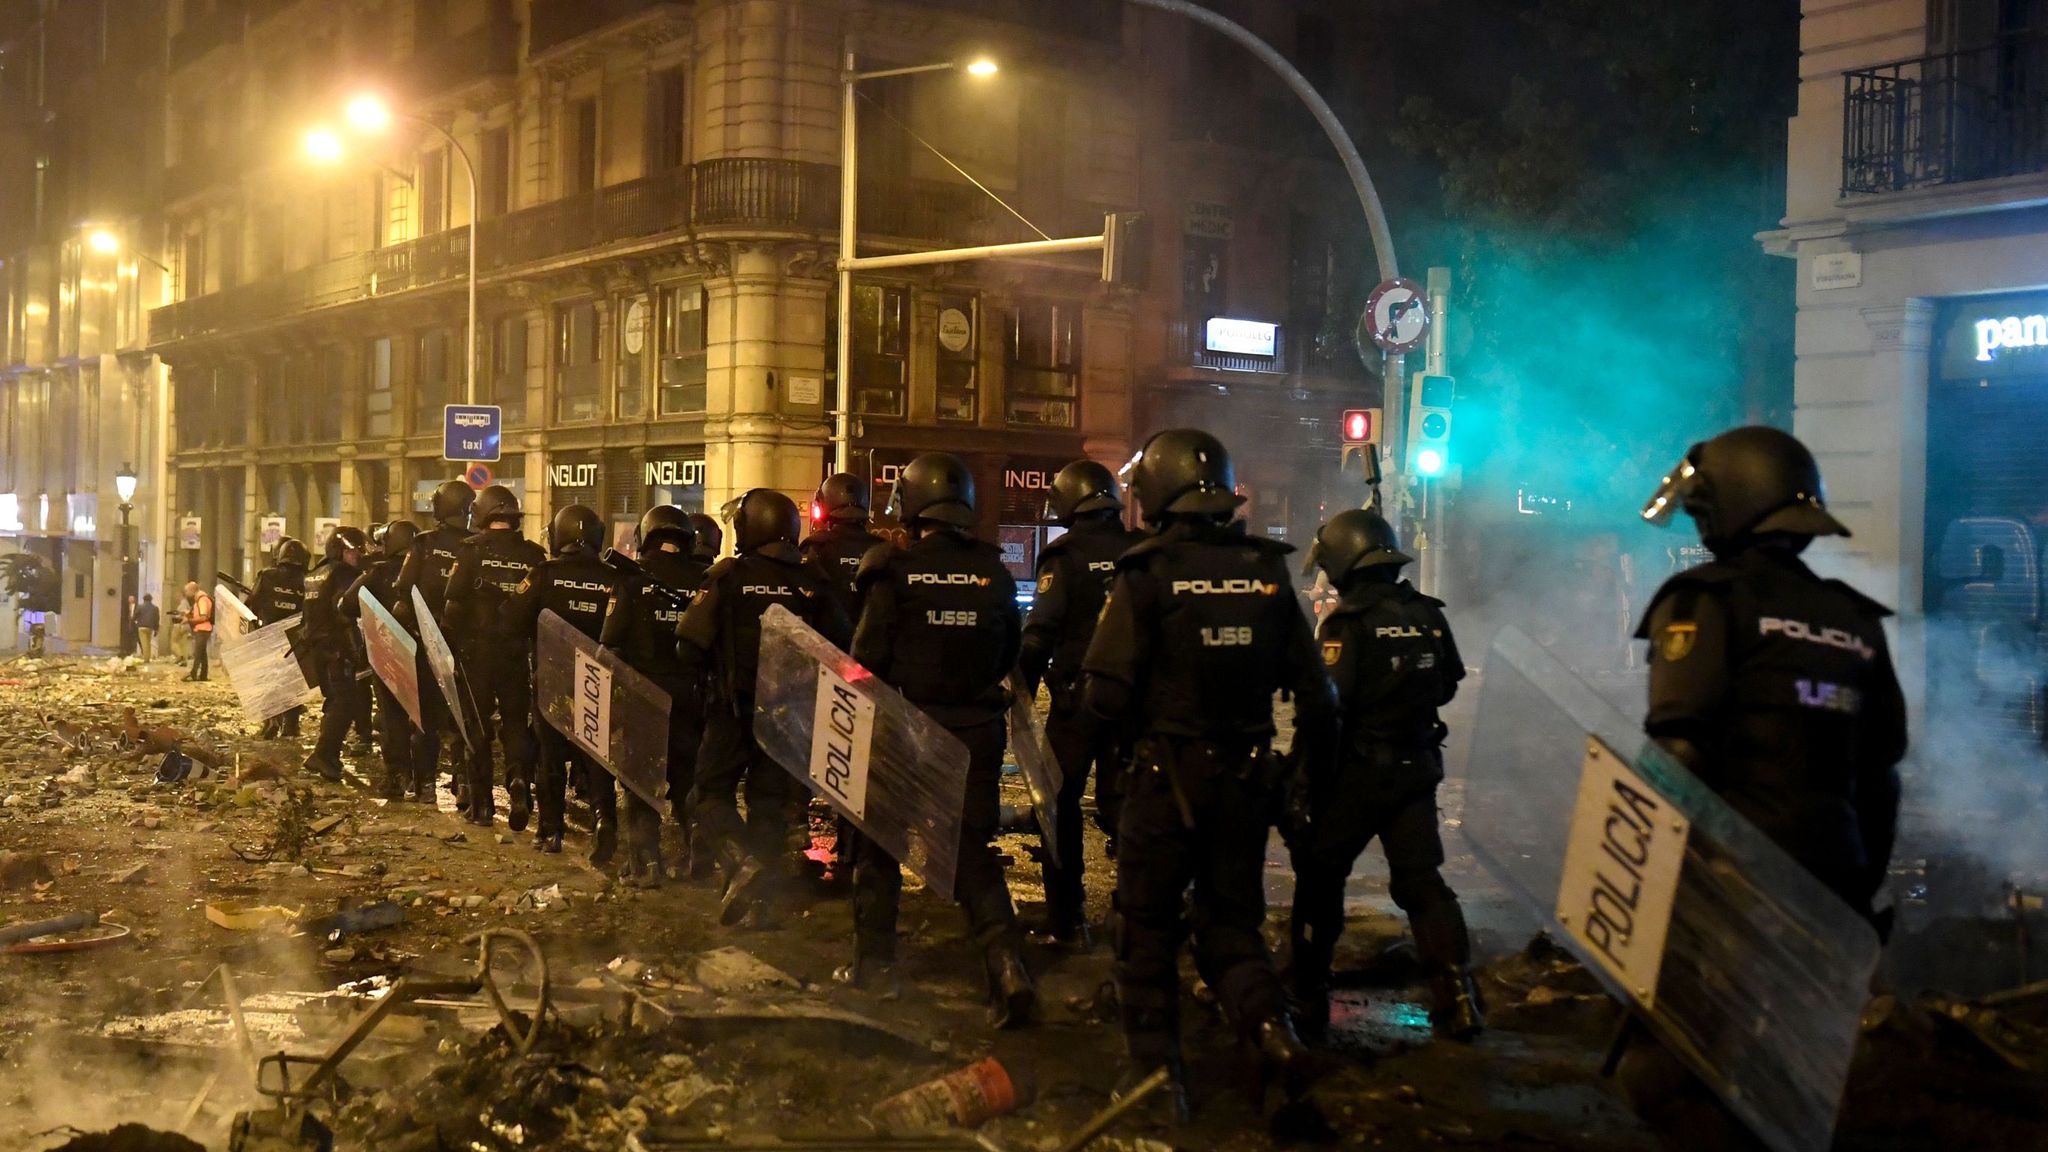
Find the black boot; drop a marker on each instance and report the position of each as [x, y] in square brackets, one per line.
[1459, 1012]
[604, 842]
[870, 974]
[1284, 1061]
[326, 769]
[522, 805]
[1012, 996]
[743, 876]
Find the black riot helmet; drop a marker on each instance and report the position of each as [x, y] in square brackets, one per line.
[347, 538]
[576, 527]
[1184, 471]
[495, 505]
[761, 517]
[451, 503]
[377, 534]
[398, 536]
[842, 497]
[666, 524]
[710, 537]
[935, 486]
[1747, 482]
[292, 550]
[1355, 541]
[1080, 488]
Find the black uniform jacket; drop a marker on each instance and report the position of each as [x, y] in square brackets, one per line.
[939, 622]
[1201, 628]
[1781, 687]
[489, 570]
[722, 629]
[645, 610]
[1394, 663]
[1074, 576]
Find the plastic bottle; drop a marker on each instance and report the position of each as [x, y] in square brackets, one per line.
[967, 1098]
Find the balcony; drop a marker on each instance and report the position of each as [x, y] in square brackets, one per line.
[1975, 114]
[556, 22]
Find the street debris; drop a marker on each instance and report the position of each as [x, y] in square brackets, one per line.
[965, 1098]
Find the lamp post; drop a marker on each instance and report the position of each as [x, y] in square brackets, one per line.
[124, 487]
[371, 116]
[849, 184]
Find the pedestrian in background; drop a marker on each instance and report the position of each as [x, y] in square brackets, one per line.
[147, 619]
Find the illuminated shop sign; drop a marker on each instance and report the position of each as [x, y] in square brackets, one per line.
[2009, 333]
[1242, 337]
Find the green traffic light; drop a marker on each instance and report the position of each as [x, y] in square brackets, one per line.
[1429, 462]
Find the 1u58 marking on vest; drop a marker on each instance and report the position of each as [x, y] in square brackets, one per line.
[1621, 868]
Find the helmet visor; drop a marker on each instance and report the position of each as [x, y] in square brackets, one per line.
[1671, 494]
[730, 513]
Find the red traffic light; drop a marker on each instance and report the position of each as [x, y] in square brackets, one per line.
[1358, 425]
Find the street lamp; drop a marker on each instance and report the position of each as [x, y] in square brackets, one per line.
[107, 242]
[131, 580]
[849, 182]
[371, 116]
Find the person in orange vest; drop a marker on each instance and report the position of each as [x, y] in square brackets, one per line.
[200, 616]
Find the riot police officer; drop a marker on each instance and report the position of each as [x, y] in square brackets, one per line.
[1200, 631]
[280, 593]
[640, 624]
[427, 566]
[835, 546]
[576, 584]
[1074, 574]
[329, 636]
[710, 537]
[394, 727]
[721, 635]
[1776, 688]
[1394, 661]
[939, 622]
[491, 568]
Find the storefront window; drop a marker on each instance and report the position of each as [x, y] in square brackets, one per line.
[629, 377]
[578, 377]
[881, 350]
[377, 387]
[682, 349]
[1045, 364]
[959, 349]
[507, 383]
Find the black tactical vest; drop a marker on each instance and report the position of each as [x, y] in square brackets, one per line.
[953, 636]
[280, 591]
[1390, 652]
[1079, 567]
[645, 611]
[493, 566]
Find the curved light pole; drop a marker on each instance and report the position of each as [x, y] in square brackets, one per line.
[1393, 385]
[371, 116]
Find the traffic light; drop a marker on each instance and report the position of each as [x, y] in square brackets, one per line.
[1429, 424]
[1126, 248]
[1360, 430]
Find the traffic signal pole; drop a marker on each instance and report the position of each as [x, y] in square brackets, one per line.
[1430, 537]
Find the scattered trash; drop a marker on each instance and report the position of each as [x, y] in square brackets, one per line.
[16, 933]
[250, 917]
[133, 874]
[129, 1138]
[176, 766]
[735, 971]
[966, 1098]
[21, 869]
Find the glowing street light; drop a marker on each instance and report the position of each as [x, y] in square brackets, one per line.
[368, 113]
[981, 66]
[103, 242]
[324, 146]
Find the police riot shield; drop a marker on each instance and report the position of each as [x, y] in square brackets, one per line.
[394, 654]
[441, 662]
[1734, 956]
[262, 669]
[879, 761]
[238, 621]
[617, 716]
[1040, 768]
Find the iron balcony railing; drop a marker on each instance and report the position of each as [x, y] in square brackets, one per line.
[1974, 114]
[733, 192]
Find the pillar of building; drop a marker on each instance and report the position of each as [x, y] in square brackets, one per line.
[766, 325]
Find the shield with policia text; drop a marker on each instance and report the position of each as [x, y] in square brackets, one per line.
[441, 662]
[614, 714]
[238, 621]
[1729, 952]
[1039, 767]
[261, 667]
[874, 756]
[394, 654]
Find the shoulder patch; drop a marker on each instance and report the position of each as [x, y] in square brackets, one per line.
[524, 585]
[1044, 583]
[1677, 639]
[1333, 651]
